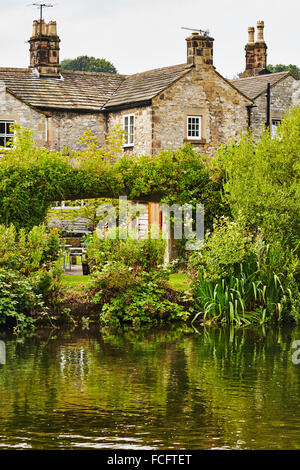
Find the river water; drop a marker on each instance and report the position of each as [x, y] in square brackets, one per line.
[150, 389]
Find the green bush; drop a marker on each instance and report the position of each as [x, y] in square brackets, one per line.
[128, 294]
[262, 180]
[18, 299]
[129, 283]
[146, 253]
[28, 252]
[30, 270]
[228, 244]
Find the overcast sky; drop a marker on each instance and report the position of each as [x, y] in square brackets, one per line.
[138, 35]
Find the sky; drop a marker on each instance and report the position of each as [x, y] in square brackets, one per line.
[139, 35]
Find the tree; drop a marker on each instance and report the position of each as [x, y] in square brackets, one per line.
[85, 63]
[281, 68]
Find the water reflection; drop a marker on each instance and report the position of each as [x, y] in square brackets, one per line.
[175, 388]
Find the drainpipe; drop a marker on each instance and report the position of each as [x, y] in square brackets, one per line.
[249, 116]
[249, 109]
[268, 113]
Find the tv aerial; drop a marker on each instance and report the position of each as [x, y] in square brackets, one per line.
[201, 31]
[41, 6]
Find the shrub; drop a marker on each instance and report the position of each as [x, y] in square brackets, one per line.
[29, 272]
[130, 284]
[128, 294]
[18, 299]
[262, 180]
[146, 253]
[28, 252]
[228, 244]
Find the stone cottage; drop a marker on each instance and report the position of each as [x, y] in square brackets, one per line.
[158, 109]
[272, 93]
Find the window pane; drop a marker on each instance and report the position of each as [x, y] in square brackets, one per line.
[129, 129]
[9, 130]
[2, 143]
[8, 141]
[274, 128]
[2, 127]
[194, 129]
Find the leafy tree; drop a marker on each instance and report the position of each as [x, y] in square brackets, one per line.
[262, 180]
[85, 63]
[281, 68]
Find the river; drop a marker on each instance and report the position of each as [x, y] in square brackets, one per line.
[174, 388]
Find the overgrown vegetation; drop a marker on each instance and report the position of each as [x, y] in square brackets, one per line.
[31, 178]
[248, 268]
[130, 282]
[29, 273]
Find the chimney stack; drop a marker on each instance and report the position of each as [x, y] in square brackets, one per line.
[44, 49]
[199, 50]
[256, 52]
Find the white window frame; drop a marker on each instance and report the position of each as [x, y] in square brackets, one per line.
[7, 135]
[188, 130]
[274, 127]
[129, 133]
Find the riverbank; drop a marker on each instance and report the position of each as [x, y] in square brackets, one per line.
[74, 306]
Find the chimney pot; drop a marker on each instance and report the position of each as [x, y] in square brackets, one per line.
[251, 35]
[256, 52]
[52, 31]
[260, 31]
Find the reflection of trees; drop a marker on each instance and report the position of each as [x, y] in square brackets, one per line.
[217, 388]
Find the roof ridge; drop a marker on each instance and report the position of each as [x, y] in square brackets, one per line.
[260, 76]
[187, 66]
[14, 69]
[85, 72]
[28, 70]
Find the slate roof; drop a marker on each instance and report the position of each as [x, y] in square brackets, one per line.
[88, 91]
[77, 91]
[95, 91]
[145, 86]
[255, 86]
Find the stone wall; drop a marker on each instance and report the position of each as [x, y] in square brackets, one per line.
[200, 92]
[66, 128]
[142, 128]
[284, 95]
[12, 109]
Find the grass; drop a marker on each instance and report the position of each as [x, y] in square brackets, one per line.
[76, 282]
[179, 282]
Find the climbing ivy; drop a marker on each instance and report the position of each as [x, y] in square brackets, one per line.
[31, 178]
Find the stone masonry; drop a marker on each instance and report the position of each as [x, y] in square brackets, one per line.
[201, 92]
[284, 95]
[12, 109]
[142, 128]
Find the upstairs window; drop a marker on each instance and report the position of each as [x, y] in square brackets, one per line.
[6, 134]
[194, 127]
[275, 124]
[128, 126]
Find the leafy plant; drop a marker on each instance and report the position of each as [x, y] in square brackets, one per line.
[18, 299]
